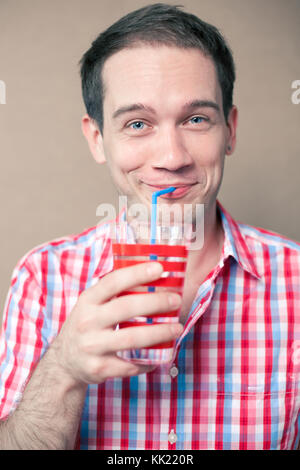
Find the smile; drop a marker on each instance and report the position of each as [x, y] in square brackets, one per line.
[180, 191]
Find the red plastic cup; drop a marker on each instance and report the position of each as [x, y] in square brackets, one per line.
[173, 259]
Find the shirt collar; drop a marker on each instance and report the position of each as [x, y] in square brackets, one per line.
[235, 244]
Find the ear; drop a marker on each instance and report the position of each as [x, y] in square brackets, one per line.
[232, 122]
[94, 138]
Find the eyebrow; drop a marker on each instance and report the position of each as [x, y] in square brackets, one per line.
[186, 107]
[132, 107]
[201, 104]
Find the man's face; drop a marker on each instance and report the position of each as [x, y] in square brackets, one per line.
[164, 124]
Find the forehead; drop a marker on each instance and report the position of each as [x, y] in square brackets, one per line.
[157, 72]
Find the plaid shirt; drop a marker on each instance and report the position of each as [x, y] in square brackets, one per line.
[235, 381]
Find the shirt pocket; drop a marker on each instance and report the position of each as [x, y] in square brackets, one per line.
[260, 414]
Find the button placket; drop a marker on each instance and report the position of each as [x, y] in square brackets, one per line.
[173, 373]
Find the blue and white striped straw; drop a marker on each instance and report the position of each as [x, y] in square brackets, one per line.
[154, 210]
[153, 221]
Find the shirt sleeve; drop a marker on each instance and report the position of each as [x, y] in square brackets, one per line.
[21, 342]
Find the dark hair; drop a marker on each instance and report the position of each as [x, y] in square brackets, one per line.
[155, 24]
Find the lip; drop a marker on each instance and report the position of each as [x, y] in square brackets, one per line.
[181, 189]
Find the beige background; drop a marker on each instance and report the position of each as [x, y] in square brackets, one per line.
[49, 184]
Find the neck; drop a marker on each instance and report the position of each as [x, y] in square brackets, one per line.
[208, 256]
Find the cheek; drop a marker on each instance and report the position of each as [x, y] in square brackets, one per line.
[210, 153]
[208, 147]
[124, 157]
[210, 160]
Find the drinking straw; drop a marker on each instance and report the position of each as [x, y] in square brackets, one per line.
[155, 195]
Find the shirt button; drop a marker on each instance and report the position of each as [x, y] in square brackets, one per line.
[172, 437]
[174, 372]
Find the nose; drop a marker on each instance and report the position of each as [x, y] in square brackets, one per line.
[170, 152]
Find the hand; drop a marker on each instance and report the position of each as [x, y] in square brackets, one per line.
[88, 342]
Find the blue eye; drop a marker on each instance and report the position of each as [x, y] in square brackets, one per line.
[138, 125]
[197, 119]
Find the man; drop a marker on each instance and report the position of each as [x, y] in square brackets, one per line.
[158, 91]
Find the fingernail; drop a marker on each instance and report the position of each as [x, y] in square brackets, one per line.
[177, 329]
[174, 300]
[154, 269]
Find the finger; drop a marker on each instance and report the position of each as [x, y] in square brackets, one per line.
[139, 337]
[122, 279]
[129, 306]
[117, 367]
[135, 369]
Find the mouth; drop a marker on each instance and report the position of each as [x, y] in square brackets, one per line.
[181, 189]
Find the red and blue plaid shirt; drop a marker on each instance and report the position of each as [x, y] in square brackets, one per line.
[235, 382]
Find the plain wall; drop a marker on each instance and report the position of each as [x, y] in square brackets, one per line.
[50, 185]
